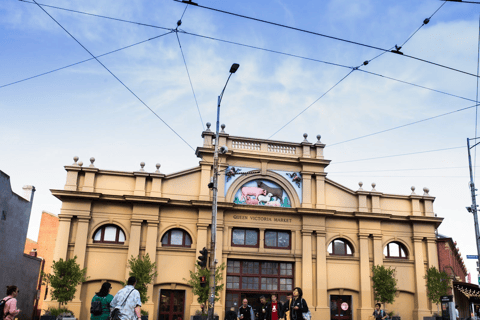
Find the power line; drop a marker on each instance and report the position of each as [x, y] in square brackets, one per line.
[96, 15]
[400, 155]
[114, 76]
[391, 170]
[402, 126]
[312, 103]
[463, 177]
[330, 37]
[189, 79]
[76, 63]
[225, 41]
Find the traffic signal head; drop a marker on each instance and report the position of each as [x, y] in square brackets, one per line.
[203, 281]
[202, 259]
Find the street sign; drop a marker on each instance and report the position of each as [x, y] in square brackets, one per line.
[472, 257]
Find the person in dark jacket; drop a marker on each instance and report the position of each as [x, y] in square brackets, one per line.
[231, 314]
[245, 312]
[262, 313]
[297, 305]
[274, 309]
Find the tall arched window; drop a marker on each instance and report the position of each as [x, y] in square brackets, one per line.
[109, 234]
[395, 250]
[177, 238]
[340, 247]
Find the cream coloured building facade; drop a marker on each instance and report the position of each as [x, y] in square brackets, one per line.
[281, 224]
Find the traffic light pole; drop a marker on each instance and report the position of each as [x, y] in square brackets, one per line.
[473, 208]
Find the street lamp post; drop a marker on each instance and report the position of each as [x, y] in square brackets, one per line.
[211, 309]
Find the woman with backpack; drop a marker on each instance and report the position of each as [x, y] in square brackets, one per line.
[100, 307]
[297, 306]
[9, 303]
[378, 313]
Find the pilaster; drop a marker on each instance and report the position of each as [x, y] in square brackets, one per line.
[307, 265]
[323, 307]
[377, 250]
[151, 250]
[204, 181]
[432, 252]
[157, 179]
[61, 243]
[365, 296]
[420, 299]
[134, 243]
[140, 179]
[72, 177]
[320, 180]
[307, 190]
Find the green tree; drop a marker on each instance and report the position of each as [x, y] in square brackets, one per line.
[438, 284]
[384, 284]
[65, 276]
[202, 292]
[145, 271]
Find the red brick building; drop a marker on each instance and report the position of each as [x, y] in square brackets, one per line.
[44, 247]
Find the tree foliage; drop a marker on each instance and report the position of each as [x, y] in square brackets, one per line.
[65, 276]
[438, 284]
[145, 271]
[203, 292]
[384, 284]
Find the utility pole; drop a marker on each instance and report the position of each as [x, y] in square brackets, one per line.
[473, 208]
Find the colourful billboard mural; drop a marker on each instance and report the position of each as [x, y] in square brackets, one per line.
[262, 193]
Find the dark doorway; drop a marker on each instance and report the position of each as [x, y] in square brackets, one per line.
[236, 299]
[340, 307]
[172, 305]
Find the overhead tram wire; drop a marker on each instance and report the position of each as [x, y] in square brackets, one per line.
[225, 41]
[327, 36]
[96, 15]
[399, 155]
[409, 169]
[186, 68]
[364, 64]
[336, 84]
[403, 125]
[80, 62]
[115, 76]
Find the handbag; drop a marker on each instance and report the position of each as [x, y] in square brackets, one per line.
[115, 314]
[306, 315]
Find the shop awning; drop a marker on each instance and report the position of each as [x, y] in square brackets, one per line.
[470, 290]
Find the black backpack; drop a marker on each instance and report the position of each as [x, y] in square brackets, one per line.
[96, 308]
[2, 308]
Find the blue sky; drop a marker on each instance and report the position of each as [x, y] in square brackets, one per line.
[84, 111]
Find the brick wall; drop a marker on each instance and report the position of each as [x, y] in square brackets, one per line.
[448, 259]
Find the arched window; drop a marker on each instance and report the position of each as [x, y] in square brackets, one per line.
[340, 247]
[109, 234]
[177, 238]
[395, 250]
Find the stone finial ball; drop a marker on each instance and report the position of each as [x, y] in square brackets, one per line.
[360, 184]
[80, 163]
[208, 125]
[412, 188]
[374, 185]
[92, 160]
[426, 190]
[223, 126]
[75, 158]
[157, 165]
[318, 137]
[142, 164]
[305, 135]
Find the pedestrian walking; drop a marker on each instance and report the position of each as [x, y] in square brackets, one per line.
[298, 305]
[100, 307]
[231, 314]
[262, 313]
[285, 310]
[9, 303]
[378, 313]
[274, 309]
[245, 312]
[127, 302]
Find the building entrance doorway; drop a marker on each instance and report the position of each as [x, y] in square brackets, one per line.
[340, 307]
[172, 305]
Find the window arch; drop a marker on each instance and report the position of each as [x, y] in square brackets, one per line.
[395, 250]
[340, 247]
[109, 233]
[176, 238]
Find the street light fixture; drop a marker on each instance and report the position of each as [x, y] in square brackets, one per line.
[213, 263]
